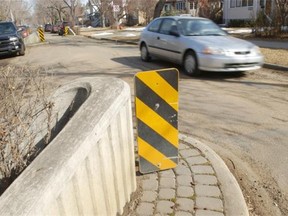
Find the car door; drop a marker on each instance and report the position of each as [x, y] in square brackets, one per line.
[151, 35]
[169, 44]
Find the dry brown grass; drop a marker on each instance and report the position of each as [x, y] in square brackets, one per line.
[23, 98]
[275, 56]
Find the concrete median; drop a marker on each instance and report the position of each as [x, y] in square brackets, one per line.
[89, 167]
[33, 38]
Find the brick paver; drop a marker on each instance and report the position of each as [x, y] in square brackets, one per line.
[190, 189]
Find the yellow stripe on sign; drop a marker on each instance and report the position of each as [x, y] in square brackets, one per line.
[156, 122]
[161, 87]
[154, 156]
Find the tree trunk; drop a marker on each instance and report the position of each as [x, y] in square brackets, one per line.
[103, 21]
[158, 8]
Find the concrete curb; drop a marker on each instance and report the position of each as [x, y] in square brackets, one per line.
[113, 40]
[275, 67]
[33, 40]
[234, 202]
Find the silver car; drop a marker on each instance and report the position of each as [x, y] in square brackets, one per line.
[198, 44]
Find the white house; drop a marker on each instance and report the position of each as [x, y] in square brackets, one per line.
[245, 9]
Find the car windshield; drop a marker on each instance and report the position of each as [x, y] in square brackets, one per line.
[199, 27]
[7, 28]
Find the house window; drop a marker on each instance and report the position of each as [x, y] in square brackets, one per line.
[238, 3]
[180, 6]
[250, 2]
[232, 3]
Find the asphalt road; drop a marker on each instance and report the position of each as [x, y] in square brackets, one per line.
[242, 116]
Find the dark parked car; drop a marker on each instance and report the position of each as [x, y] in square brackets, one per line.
[54, 28]
[62, 27]
[11, 40]
[47, 27]
[25, 30]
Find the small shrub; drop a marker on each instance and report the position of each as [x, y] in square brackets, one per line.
[23, 98]
[240, 23]
[269, 25]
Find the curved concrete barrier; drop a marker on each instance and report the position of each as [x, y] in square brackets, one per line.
[32, 39]
[88, 168]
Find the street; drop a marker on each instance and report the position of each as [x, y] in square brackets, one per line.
[241, 116]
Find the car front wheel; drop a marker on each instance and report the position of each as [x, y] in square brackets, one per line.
[22, 51]
[145, 56]
[190, 64]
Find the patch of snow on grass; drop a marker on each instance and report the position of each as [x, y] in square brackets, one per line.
[103, 33]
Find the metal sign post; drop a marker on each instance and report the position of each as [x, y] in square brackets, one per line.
[156, 105]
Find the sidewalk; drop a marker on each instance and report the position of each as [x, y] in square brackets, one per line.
[200, 185]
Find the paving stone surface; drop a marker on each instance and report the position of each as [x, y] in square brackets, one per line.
[207, 190]
[190, 189]
[166, 193]
[205, 179]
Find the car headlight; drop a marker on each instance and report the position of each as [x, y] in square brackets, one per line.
[13, 39]
[255, 50]
[213, 51]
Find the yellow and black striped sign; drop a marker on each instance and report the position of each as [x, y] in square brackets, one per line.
[66, 30]
[156, 105]
[41, 34]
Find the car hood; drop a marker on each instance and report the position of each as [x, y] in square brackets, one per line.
[223, 42]
[7, 36]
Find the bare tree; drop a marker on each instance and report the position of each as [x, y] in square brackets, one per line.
[146, 8]
[132, 11]
[51, 11]
[158, 8]
[210, 9]
[4, 10]
[59, 7]
[15, 10]
[282, 10]
[103, 7]
[43, 12]
[72, 4]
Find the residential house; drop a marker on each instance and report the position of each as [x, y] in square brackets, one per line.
[246, 9]
[232, 9]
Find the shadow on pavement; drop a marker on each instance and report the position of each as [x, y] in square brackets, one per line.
[155, 64]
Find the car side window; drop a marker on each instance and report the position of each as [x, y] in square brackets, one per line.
[154, 27]
[166, 26]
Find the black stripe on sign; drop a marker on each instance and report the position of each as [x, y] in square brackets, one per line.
[156, 141]
[150, 98]
[171, 77]
[146, 166]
